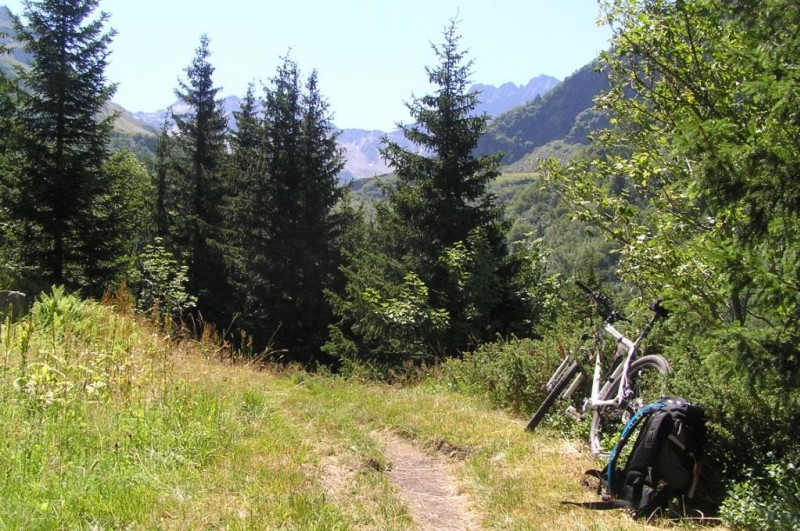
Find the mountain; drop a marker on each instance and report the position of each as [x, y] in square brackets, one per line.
[564, 114]
[494, 101]
[155, 119]
[17, 56]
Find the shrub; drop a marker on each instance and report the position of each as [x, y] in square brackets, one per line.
[511, 373]
[161, 283]
[767, 500]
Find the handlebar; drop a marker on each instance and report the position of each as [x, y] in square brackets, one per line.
[657, 309]
[610, 313]
[616, 315]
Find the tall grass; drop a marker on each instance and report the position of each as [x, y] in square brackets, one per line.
[99, 431]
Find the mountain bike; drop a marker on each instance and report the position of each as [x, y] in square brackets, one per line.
[630, 382]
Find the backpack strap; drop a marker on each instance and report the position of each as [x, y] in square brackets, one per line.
[623, 440]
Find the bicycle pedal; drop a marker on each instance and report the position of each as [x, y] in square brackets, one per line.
[574, 414]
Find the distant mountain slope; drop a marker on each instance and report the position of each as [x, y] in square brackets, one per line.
[565, 113]
[155, 119]
[17, 56]
[362, 152]
[494, 101]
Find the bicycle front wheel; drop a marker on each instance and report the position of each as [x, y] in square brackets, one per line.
[647, 382]
[552, 396]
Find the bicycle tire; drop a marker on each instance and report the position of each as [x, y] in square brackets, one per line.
[552, 396]
[607, 421]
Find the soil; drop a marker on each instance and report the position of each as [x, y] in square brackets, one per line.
[428, 487]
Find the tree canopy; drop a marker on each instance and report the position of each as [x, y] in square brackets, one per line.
[697, 186]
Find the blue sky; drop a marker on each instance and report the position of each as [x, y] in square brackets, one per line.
[370, 54]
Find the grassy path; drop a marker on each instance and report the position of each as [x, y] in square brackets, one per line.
[336, 435]
[108, 425]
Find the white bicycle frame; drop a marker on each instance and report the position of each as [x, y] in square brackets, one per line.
[630, 353]
[630, 347]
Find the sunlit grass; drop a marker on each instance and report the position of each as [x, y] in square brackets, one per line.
[107, 423]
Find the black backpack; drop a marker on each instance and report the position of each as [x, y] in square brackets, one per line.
[663, 461]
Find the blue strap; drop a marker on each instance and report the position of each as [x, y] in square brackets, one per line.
[623, 438]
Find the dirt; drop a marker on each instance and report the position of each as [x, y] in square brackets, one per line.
[428, 486]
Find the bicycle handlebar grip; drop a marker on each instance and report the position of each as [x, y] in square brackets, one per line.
[596, 295]
[659, 310]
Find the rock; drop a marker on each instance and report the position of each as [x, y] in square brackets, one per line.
[12, 303]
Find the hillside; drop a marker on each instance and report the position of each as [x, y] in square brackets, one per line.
[534, 211]
[156, 434]
[563, 114]
[16, 56]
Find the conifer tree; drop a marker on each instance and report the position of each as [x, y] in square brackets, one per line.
[162, 180]
[441, 204]
[302, 162]
[200, 157]
[246, 225]
[441, 195]
[9, 249]
[433, 276]
[69, 230]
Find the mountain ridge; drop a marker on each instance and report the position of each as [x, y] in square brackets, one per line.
[524, 119]
[362, 146]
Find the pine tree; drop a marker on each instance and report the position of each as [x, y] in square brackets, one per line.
[321, 226]
[247, 203]
[162, 178]
[68, 232]
[9, 248]
[441, 195]
[302, 162]
[200, 158]
[441, 204]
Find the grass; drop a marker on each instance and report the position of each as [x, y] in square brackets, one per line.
[109, 424]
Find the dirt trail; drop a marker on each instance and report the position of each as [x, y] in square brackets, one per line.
[428, 487]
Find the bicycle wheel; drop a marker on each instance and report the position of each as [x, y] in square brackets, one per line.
[552, 396]
[647, 379]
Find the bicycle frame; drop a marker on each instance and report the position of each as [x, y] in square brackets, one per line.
[631, 349]
[619, 368]
[617, 390]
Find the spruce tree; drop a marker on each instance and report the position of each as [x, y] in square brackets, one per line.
[302, 162]
[246, 225]
[69, 229]
[321, 225]
[440, 219]
[162, 180]
[200, 154]
[433, 277]
[441, 195]
[9, 248]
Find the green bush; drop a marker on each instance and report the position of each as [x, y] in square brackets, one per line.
[767, 500]
[512, 374]
[160, 283]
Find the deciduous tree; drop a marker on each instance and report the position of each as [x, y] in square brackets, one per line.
[698, 187]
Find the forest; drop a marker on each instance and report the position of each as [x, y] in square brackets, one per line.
[688, 192]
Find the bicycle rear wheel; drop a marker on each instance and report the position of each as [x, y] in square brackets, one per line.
[647, 380]
[552, 396]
